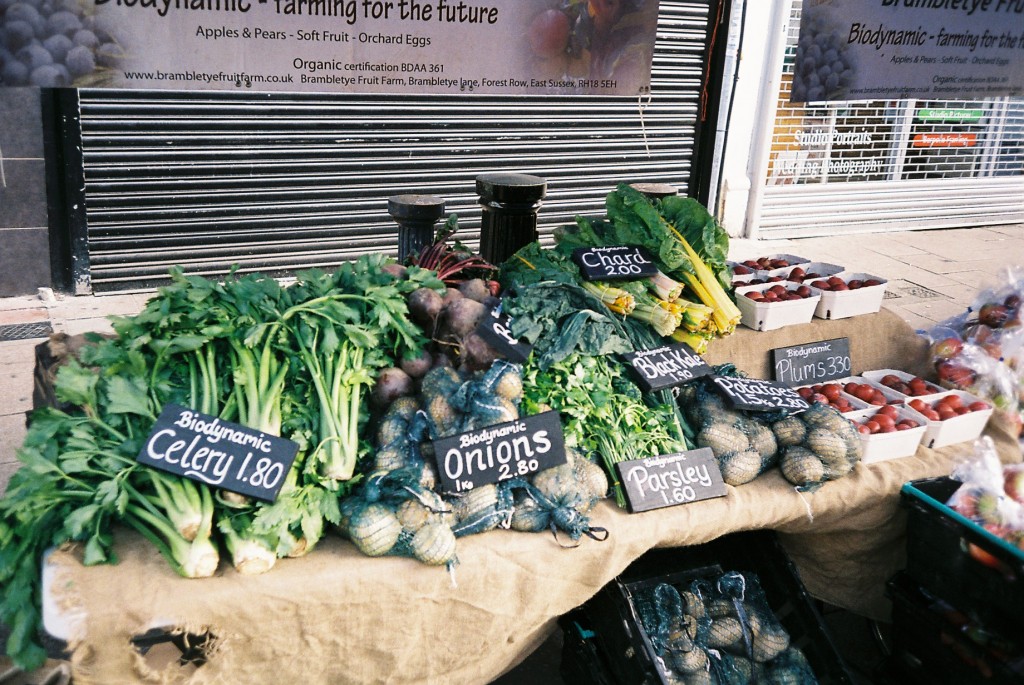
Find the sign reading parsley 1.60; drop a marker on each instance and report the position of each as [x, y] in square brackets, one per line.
[219, 453]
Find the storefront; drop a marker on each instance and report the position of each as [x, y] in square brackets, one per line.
[826, 168]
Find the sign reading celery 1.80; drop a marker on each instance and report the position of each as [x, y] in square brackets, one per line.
[514, 449]
[219, 453]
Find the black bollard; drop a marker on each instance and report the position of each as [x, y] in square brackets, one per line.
[415, 216]
[509, 222]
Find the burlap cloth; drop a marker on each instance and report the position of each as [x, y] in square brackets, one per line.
[336, 616]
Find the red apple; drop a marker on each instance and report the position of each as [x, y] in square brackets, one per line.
[1013, 482]
[947, 348]
[993, 315]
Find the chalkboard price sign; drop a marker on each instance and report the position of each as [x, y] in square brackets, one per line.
[219, 453]
[495, 329]
[755, 394]
[623, 262]
[667, 366]
[814, 362]
[514, 449]
[671, 479]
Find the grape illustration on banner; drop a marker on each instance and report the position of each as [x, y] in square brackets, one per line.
[822, 70]
[598, 44]
[54, 44]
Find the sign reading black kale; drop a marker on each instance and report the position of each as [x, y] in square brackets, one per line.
[496, 331]
[667, 366]
[505, 450]
[814, 362]
[758, 395]
[623, 262]
[219, 453]
[671, 479]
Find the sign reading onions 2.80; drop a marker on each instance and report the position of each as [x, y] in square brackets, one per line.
[219, 453]
[514, 449]
[363, 46]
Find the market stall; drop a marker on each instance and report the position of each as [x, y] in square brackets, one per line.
[338, 616]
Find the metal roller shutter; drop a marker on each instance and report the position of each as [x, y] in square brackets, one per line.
[281, 182]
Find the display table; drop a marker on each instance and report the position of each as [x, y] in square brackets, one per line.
[336, 616]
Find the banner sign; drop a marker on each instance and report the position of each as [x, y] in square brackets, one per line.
[496, 330]
[961, 116]
[944, 140]
[754, 394]
[566, 47]
[900, 49]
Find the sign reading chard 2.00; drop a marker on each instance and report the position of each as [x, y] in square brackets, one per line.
[219, 453]
[619, 262]
[515, 449]
[365, 46]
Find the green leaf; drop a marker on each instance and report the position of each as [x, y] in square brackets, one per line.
[81, 519]
[76, 385]
[128, 395]
[95, 552]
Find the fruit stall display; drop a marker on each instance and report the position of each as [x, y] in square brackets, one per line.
[367, 370]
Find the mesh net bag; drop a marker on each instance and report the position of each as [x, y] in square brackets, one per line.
[742, 441]
[816, 446]
[719, 630]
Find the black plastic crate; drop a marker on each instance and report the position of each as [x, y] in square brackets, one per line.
[959, 561]
[582, 662]
[935, 644]
[627, 654]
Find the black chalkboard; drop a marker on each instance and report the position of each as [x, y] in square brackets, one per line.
[514, 449]
[495, 329]
[619, 263]
[758, 395]
[219, 453]
[671, 479]
[813, 362]
[665, 367]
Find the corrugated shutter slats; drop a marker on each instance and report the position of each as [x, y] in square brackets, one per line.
[281, 182]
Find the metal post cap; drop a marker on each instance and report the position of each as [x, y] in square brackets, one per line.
[510, 188]
[418, 207]
[655, 190]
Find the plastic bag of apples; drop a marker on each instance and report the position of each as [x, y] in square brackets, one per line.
[982, 349]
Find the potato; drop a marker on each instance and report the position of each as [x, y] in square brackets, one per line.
[398, 271]
[478, 353]
[461, 317]
[451, 295]
[417, 366]
[475, 289]
[424, 306]
[391, 384]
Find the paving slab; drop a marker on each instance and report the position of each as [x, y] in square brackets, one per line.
[16, 387]
[934, 311]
